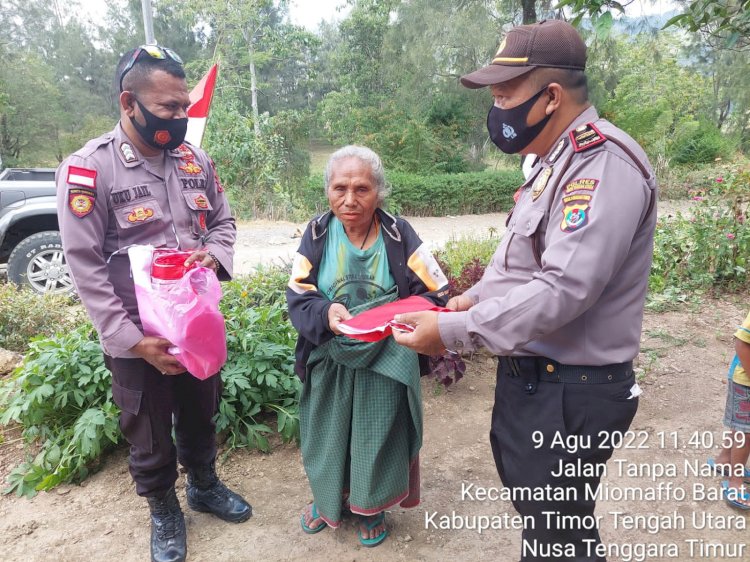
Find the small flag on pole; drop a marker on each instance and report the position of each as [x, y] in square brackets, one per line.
[200, 104]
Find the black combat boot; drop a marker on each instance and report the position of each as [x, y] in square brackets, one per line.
[168, 536]
[205, 492]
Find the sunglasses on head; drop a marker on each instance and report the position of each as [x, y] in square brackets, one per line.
[155, 52]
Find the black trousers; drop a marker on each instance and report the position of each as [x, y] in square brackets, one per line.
[573, 413]
[150, 402]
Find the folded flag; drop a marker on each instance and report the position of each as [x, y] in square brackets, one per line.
[377, 323]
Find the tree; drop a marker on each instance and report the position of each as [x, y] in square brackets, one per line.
[724, 22]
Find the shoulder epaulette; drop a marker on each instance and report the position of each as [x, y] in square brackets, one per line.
[94, 144]
[585, 137]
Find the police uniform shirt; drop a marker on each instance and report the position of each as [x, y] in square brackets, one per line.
[110, 197]
[569, 278]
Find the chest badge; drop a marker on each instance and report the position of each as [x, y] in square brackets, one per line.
[540, 183]
[191, 167]
[201, 202]
[140, 214]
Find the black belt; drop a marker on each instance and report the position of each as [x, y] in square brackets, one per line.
[543, 369]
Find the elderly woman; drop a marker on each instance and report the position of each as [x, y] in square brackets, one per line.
[361, 407]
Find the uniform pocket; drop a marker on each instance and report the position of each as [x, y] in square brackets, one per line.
[199, 206]
[140, 222]
[528, 224]
[134, 424]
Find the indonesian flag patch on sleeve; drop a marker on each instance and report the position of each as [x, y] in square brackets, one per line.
[84, 177]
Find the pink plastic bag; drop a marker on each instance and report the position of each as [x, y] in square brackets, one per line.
[184, 311]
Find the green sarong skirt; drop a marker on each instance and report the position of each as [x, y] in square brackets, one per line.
[361, 425]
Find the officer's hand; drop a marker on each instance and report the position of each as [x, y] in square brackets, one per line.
[460, 303]
[203, 258]
[337, 313]
[154, 350]
[425, 338]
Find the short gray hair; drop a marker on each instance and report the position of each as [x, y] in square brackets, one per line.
[366, 155]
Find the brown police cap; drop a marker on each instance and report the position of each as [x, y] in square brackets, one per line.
[549, 43]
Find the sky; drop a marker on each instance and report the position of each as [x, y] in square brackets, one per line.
[306, 13]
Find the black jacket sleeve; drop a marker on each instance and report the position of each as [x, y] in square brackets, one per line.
[308, 307]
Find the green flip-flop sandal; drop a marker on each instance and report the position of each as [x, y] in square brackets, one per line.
[315, 515]
[378, 519]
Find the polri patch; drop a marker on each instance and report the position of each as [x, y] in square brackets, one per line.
[81, 201]
[85, 177]
[585, 137]
[127, 152]
[581, 184]
[575, 216]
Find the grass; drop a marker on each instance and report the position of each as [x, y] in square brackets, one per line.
[320, 151]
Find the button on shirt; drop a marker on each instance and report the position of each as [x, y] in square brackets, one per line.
[569, 278]
[126, 200]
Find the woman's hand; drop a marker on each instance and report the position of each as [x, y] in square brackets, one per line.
[337, 313]
[460, 303]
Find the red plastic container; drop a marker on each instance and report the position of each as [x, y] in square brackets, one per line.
[169, 265]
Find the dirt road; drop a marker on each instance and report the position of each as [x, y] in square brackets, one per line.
[263, 242]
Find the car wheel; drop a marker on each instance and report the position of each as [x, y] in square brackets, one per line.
[38, 262]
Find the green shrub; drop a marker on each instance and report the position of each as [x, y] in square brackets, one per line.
[708, 249]
[62, 398]
[700, 143]
[434, 195]
[61, 394]
[259, 374]
[25, 314]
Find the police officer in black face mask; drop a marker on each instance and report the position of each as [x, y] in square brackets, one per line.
[141, 184]
[561, 302]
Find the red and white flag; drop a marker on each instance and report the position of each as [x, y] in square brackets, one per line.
[200, 104]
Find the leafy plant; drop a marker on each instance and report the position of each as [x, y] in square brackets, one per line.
[259, 378]
[62, 397]
[25, 314]
[447, 369]
[710, 248]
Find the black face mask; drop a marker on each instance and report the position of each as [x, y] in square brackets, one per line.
[508, 128]
[164, 134]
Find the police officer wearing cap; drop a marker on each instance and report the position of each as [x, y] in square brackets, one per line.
[142, 184]
[561, 301]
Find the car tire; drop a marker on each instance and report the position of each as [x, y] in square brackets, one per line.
[38, 262]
